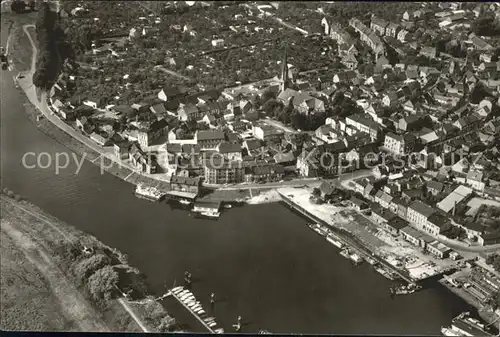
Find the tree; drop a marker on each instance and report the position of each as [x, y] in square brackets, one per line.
[18, 6]
[167, 324]
[486, 26]
[90, 265]
[102, 283]
[298, 121]
[316, 192]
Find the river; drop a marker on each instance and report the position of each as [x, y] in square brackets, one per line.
[261, 261]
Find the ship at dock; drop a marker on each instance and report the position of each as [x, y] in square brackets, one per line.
[387, 273]
[148, 193]
[207, 210]
[404, 289]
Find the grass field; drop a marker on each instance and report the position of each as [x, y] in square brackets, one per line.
[28, 302]
[37, 293]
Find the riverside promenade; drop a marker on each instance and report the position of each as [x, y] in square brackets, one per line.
[346, 238]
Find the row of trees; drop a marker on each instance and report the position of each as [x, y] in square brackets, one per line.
[48, 57]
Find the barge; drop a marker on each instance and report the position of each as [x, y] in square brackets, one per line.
[148, 193]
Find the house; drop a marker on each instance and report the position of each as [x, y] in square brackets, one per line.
[364, 124]
[121, 149]
[158, 109]
[184, 187]
[434, 187]
[266, 173]
[307, 166]
[392, 30]
[99, 139]
[85, 125]
[349, 61]
[67, 114]
[253, 145]
[458, 195]
[480, 44]
[475, 179]
[399, 144]
[418, 215]
[146, 136]
[410, 123]
[411, 235]
[403, 35]
[358, 204]
[218, 171]
[169, 93]
[145, 162]
[438, 249]
[208, 139]
[267, 133]
[230, 151]
[94, 102]
[429, 52]
[218, 43]
[189, 112]
[379, 25]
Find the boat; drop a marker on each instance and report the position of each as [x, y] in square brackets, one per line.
[184, 292]
[208, 214]
[185, 202]
[177, 289]
[212, 324]
[385, 273]
[345, 253]
[149, 193]
[219, 331]
[447, 331]
[331, 238]
[405, 289]
[356, 258]
[202, 312]
[228, 206]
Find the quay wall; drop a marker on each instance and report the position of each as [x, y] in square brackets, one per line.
[346, 238]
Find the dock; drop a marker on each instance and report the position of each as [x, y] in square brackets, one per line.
[347, 239]
[198, 317]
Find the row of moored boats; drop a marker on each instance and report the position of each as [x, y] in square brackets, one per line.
[188, 299]
[351, 253]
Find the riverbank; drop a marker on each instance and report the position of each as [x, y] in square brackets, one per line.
[62, 264]
[402, 257]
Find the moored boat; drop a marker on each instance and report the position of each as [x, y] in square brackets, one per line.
[184, 202]
[356, 258]
[149, 193]
[345, 253]
[330, 238]
[208, 215]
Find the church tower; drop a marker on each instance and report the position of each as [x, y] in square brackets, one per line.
[284, 72]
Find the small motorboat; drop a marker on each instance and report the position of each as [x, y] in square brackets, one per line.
[212, 324]
[228, 206]
[183, 292]
[177, 289]
[202, 312]
[185, 202]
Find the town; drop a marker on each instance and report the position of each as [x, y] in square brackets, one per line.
[386, 132]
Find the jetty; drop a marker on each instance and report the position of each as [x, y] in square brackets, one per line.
[203, 319]
[346, 239]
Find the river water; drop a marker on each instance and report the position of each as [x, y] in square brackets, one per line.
[261, 261]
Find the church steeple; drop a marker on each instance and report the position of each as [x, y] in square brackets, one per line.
[284, 72]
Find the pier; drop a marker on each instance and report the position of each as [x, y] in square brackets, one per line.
[200, 319]
[347, 239]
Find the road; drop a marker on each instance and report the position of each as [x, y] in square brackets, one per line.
[277, 19]
[279, 125]
[42, 105]
[173, 73]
